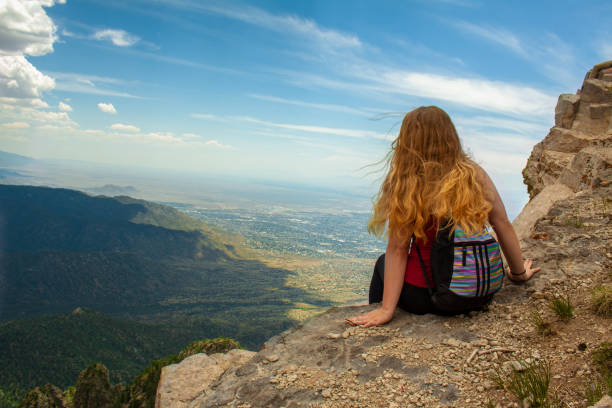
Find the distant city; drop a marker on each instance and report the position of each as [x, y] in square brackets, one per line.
[297, 233]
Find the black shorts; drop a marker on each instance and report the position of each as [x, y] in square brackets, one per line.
[413, 299]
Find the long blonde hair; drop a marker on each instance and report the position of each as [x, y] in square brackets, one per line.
[430, 178]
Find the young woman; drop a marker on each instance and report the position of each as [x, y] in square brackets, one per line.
[430, 179]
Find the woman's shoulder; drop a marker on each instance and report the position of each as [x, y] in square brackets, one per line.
[481, 175]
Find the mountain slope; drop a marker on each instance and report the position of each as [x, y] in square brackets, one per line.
[62, 249]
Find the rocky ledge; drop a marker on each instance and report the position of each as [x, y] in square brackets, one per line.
[463, 361]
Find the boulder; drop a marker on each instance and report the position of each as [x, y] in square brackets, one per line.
[567, 105]
[605, 402]
[538, 208]
[183, 383]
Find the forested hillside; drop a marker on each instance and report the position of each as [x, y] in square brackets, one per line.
[135, 260]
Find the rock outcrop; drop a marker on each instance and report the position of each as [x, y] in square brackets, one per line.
[577, 152]
[177, 387]
[464, 361]
[94, 389]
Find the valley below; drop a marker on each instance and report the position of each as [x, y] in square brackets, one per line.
[104, 277]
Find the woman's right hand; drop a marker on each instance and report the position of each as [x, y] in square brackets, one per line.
[529, 271]
[376, 317]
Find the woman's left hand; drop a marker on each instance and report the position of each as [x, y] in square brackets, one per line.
[376, 317]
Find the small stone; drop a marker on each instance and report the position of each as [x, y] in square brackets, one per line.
[333, 336]
[452, 342]
[346, 334]
[326, 393]
[272, 358]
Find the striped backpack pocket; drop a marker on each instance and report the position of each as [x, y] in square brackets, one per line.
[467, 269]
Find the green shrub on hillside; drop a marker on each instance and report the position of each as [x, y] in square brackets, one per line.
[94, 390]
[218, 345]
[601, 301]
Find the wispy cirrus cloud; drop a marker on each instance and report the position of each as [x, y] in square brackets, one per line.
[549, 54]
[90, 84]
[496, 35]
[322, 106]
[523, 127]
[496, 96]
[483, 94]
[286, 24]
[357, 133]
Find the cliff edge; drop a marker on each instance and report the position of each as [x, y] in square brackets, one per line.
[466, 361]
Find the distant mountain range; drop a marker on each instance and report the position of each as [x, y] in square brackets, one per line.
[136, 260]
[14, 160]
[112, 190]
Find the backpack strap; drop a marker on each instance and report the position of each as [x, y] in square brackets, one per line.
[423, 267]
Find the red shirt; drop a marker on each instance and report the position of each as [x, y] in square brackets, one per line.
[414, 273]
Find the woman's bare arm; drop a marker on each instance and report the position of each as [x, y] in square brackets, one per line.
[396, 257]
[519, 270]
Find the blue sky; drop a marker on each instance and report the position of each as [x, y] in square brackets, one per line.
[300, 91]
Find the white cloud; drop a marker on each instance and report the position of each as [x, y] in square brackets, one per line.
[358, 133]
[16, 125]
[64, 107]
[25, 28]
[28, 114]
[190, 136]
[285, 24]
[215, 143]
[495, 96]
[21, 80]
[487, 122]
[125, 128]
[495, 34]
[89, 84]
[205, 116]
[107, 108]
[120, 38]
[322, 106]
[167, 137]
[549, 53]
